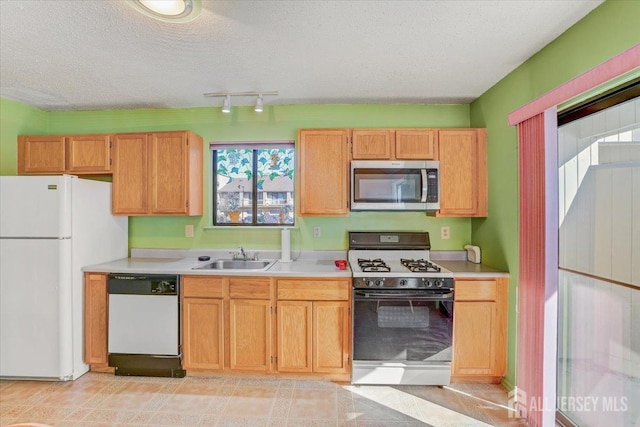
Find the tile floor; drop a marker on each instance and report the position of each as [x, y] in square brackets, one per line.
[106, 400]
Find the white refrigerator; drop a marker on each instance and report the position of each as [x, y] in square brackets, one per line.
[50, 227]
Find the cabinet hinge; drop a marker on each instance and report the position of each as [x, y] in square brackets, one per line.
[110, 144]
[187, 204]
[274, 359]
[186, 141]
[110, 161]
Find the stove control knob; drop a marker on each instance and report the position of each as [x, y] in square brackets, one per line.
[380, 282]
[403, 282]
[438, 283]
[369, 283]
[429, 284]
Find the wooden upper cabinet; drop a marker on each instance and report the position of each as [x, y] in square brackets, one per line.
[394, 144]
[41, 155]
[415, 144]
[372, 144]
[130, 174]
[463, 172]
[324, 172]
[89, 154]
[75, 154]
[157, 173]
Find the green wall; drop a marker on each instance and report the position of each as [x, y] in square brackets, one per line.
[609, 30]
[243, 124]
[17, 119]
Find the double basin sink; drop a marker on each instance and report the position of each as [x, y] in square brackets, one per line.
[228, 264]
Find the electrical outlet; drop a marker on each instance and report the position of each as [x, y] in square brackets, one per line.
[317, 231]
[445, 233]
[188, 230]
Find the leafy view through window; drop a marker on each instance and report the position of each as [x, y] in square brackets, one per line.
[254, 185]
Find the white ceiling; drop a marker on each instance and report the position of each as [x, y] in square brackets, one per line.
[102, 54]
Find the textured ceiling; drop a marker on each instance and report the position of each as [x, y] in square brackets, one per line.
[102, 54]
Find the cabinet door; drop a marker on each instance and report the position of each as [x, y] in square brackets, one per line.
[250, 335]
[324, 177]
[169, 163]
[463, 172]
[130, 174]
[41, 155]
[331, 337]
[294, 336]
[95, 318]
[474, 338]
[202, 333]
[415, 144]
[372, 144]
[89, 154]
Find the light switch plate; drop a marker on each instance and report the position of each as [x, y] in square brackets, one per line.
[188, 230]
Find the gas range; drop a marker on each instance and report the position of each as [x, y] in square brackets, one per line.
[395, 260]
[402, 310]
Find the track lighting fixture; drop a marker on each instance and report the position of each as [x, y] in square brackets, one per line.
[226, 105]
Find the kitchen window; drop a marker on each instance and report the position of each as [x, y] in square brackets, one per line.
[253, 183]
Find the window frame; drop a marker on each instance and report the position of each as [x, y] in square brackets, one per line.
[254, 146]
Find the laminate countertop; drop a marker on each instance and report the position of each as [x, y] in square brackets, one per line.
[185, 266]
[301, 268]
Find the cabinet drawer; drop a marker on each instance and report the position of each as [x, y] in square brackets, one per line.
[202, 287]
[315, 290]
[475, 290]
[249, 287]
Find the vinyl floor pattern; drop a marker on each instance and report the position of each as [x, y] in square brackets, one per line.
[108, 400]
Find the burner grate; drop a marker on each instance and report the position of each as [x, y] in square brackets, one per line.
[373, 265]
[420, 265]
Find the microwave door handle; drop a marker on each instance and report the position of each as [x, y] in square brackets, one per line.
[423, 172]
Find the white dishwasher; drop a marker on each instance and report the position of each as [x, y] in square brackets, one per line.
[144, 325]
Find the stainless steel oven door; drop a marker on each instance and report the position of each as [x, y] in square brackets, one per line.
[402, 337]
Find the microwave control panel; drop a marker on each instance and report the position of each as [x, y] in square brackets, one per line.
[432, 185]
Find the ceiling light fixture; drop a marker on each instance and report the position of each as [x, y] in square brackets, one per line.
[226, 106]
[258, 108]
[168, 10]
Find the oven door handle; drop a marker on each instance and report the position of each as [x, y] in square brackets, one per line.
[396, 297]
[423, 172]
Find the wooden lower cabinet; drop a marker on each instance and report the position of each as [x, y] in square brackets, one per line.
[295, 328]
[479, 330]
[331, 328]
[226, 323]
[95, 327]
[250, 335]
[231, 324]
[203, 333]
[313, 332]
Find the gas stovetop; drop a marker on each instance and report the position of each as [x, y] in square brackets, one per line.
[395, 260]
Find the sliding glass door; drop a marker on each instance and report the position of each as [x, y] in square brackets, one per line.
[598, 366]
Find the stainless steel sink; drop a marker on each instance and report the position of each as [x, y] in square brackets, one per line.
[228, 264]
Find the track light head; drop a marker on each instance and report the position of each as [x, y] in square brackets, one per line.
[258, 108]
[226, 105]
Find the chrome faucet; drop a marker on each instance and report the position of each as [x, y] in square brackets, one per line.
[240, 254]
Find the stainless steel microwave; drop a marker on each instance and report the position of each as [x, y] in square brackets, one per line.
[395, 185]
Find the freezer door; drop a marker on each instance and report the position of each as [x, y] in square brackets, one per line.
[35, 309]
[35, 206]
